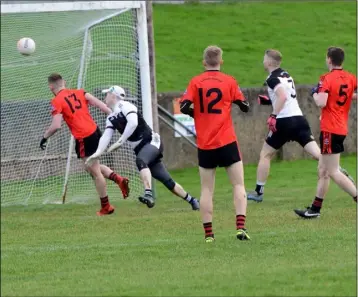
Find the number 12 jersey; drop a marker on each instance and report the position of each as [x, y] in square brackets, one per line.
[212, 94]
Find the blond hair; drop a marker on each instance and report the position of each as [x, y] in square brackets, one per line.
[274, 55]
[213, 55]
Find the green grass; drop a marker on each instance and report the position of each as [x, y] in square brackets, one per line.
[301, 30]
[65, 250]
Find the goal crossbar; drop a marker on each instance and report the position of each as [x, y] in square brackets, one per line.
[67, 6]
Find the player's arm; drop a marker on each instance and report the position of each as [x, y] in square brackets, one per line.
[130, 112]
[187, 100]
[354, 97]
[238, 97]
[275, 84]
[103, 142]
[55, 124]
[321, 91]
[92, 100]
[320, 99]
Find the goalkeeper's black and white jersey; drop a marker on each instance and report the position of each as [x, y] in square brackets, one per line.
[119, 119]
[280, 78]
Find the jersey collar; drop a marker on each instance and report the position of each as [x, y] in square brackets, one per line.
[336, 69]
[278, 70]
[212, 70]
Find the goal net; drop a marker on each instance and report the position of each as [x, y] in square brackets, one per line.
[93, 45]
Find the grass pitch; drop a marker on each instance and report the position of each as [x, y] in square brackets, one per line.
[65, 250]
[301, 30]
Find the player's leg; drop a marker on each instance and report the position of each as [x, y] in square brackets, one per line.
[147, 154]
[331, 147]
[263, 170]
[207, 180]
[84, 148]
[95, 171]
[208, 161]
[122, 182]
[331, 162]
[91, 147]
[229, 157]
[236, 176]
[160, 173]
[313, 149]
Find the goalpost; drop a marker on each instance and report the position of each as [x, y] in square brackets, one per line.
[93, 45]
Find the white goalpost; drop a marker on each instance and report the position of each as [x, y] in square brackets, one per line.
[92, 45]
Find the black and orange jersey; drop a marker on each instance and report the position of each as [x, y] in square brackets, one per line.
[73, 106]
[339, 85]
[212, 94]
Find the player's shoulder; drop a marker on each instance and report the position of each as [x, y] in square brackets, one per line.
[127, 106]
[229, 78]
[278, 74]
[276, 77]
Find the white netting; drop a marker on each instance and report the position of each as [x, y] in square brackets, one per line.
[28, 174]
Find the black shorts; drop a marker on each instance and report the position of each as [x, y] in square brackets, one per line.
[86, 147]
[290, 129]
[221, 157]
[331, 143]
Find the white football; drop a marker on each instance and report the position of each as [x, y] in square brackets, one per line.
[26, 46]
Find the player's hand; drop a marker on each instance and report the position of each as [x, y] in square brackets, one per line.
[43, 143]
[91, 158]
[314, 90]
[271, 122]
[116, 145]
[264, 100]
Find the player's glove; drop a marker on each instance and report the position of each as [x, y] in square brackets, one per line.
[43, 143]
[264, 100]
[116, 145]
[91, 158]
[314, 90]
[271, 122]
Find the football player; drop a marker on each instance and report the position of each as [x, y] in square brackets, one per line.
[146, 144]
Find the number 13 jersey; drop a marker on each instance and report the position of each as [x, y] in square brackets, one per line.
[73, 106]
[339, 85]
[212, 94]
[280, 78]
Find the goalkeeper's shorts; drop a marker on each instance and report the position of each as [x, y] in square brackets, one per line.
[86, 147]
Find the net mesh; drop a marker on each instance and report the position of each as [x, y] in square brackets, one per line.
[28, 174]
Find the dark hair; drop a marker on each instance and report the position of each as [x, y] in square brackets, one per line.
[54, 77]
[336, 54]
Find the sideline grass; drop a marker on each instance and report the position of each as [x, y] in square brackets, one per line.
[57, 250]
[301, 30]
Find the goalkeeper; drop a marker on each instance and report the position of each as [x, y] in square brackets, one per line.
[145, 142]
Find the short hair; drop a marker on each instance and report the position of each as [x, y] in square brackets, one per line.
[274, 55]
[212, 55]
[336, 54]
[54, 78]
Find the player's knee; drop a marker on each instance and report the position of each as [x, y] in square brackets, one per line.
[140, 164]
[169, 184]
[266, 155]
[323, 172]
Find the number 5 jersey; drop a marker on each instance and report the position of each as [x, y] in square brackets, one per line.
[339, 85]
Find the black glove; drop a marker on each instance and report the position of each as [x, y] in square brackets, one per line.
[264, 100]
[314, 90]
[43, 143]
